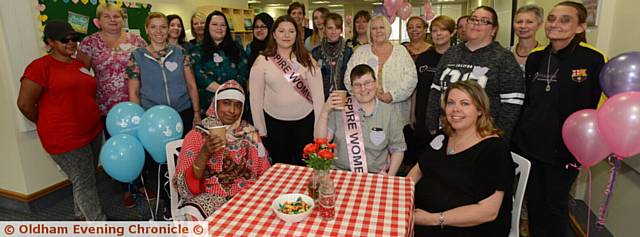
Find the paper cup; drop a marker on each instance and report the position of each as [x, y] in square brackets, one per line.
[218, 130]
[343, 97]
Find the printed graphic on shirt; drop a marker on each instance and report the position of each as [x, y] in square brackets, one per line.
[579, 75]
[426, 68]
[462, 72]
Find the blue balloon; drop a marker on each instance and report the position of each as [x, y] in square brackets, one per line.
[160, 125]
[124, 118]
[122, 157]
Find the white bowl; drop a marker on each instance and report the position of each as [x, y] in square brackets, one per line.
[292, 197]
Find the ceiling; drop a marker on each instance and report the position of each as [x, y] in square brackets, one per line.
[336, 3]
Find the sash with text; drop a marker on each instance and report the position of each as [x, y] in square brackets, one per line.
[353, 136]
[296, 80]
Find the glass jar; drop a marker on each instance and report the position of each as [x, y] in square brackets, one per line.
[327, 199]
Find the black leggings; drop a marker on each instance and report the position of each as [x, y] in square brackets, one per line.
[548, 197]
[286, 139]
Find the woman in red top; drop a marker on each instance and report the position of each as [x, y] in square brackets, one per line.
[59, 94]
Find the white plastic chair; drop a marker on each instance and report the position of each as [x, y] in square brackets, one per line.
[522, 171]
[173, 152]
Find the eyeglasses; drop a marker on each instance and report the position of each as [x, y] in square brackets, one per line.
[75, 39]
[260, 27]
[479, 21]
[368, 85]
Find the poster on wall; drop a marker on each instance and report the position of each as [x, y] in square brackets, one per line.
[592, 11]
[79, 22]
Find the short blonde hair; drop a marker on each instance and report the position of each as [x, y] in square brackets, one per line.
[385, 22]
[153, 15]
[484, 124]
[108, 7]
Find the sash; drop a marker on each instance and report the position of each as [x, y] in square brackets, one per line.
[353, 136]
[296, 80]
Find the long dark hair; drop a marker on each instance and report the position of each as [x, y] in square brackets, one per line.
[182, 35]
[259, 45]
[367, 16]
[582, 17]
[227, 45]
[301, 53]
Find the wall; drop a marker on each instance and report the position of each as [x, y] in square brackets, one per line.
[614, 34]
[26, 168]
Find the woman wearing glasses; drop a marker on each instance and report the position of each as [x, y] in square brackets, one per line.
[561, 78]
[375, 123]
[483, 60]
[59, 94]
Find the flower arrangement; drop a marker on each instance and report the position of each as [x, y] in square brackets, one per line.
[319, 154]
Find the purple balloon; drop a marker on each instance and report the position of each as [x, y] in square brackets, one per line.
[379, 11]
[621, 74]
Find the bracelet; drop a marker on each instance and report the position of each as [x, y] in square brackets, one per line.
[196, 167]
[441, 220]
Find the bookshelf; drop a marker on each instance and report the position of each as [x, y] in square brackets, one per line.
[237, 19]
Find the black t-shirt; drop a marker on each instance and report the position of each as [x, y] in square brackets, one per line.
[426, 63]
[465, 178]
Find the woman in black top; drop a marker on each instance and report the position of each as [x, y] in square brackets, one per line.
[441, 28]
[464, 179]
[561, 79]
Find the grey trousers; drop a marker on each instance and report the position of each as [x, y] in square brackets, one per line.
[80, 167]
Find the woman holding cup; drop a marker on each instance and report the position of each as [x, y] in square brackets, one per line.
[221, 158]
[363, 117]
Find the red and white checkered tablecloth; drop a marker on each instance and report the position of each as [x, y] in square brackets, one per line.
[366, 205]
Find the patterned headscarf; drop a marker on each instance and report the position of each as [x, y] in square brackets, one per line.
[229, 90]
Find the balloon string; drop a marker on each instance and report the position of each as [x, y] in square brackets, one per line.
[608, 192]
[589, 202]
[147, 197]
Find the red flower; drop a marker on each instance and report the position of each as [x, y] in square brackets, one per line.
[326, 154]
[331, 146]
[321, 141]
[311, 148]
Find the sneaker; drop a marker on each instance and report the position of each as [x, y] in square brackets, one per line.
[128, 201]
[150, 194]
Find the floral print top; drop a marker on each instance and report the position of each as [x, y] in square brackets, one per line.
[219, 69]
[109, 65]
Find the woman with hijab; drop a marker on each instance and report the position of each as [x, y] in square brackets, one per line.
[212, 169]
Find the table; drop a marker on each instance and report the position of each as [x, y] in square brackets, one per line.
[366, 205]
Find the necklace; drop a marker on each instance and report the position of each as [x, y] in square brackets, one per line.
[550, 77]
[523, 56]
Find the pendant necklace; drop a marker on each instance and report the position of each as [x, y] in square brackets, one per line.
[550, 77]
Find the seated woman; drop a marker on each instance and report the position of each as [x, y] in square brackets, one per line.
[364, 124]
[212, 169]
[464, 179]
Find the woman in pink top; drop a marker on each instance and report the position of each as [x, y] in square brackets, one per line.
[108, 52]
[286, 93]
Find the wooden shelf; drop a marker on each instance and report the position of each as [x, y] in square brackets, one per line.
[236, 18]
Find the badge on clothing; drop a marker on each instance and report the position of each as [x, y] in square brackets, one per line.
[172, 66]
[579, 75]
[376, 136]
[436, 143]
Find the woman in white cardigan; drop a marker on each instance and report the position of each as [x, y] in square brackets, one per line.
[395, 70]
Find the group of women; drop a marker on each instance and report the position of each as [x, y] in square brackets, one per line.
[457, 113]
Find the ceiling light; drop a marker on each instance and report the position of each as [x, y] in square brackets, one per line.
[320, 2]
[253, 1]
[335, 5]
[376, 3]
[274, 5]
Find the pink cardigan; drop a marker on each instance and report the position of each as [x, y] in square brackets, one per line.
[271, 92]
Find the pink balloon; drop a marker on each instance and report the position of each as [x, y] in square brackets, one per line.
[392, 6]
[405, 11]
[619, 122]
[581, 135]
